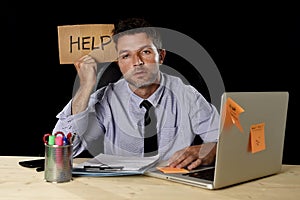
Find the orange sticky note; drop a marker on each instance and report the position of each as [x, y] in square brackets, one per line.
[231, 113]
[257, 137]
[172, 170]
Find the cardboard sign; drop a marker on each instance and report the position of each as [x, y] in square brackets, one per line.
[76, 41]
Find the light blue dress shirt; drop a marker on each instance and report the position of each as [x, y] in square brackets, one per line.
[113, 121]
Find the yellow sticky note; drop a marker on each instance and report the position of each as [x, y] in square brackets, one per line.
[257, 137]
[231, 113]
[172, 170]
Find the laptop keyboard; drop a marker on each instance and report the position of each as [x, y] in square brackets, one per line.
[207, 174]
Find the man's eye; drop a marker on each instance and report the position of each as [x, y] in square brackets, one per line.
[146, 52]
[124, 56]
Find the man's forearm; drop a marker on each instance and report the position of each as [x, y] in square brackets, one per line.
[80, 100]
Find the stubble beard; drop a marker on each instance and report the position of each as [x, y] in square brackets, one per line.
[140, 83]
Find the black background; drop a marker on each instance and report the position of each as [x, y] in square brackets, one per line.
[256, 48]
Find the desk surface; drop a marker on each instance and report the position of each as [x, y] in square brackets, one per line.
[17, 182]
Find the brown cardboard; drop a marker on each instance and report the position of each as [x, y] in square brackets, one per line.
[76, 41]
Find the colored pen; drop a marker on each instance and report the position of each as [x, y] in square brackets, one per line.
[65, 141]
[51, 140]
[59, 140]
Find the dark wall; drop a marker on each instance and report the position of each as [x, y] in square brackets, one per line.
[254, 50]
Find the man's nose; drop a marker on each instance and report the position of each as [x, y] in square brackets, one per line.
[137, 59]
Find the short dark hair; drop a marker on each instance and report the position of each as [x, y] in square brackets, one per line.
[130, 26]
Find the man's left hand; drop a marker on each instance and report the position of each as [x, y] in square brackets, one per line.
[193, 156]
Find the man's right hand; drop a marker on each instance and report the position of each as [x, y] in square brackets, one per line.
[86, 68]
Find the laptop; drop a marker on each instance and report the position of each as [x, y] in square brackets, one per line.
[241, 156]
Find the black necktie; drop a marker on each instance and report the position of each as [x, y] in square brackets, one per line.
[150, 136]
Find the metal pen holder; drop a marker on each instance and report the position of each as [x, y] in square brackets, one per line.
[58, 163]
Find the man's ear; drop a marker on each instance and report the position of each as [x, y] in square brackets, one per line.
[162, 55]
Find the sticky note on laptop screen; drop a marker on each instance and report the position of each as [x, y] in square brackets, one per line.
[257, 137]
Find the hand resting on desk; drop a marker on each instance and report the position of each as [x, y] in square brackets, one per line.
[193, 156]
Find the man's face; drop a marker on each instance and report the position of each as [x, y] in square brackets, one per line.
[138, 59]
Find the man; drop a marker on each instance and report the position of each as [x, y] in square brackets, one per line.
[115, 111]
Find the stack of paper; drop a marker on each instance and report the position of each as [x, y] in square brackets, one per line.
[112, 165]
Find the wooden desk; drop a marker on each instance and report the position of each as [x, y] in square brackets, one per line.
[17, 182]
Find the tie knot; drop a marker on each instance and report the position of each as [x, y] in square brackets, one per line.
[146, 104]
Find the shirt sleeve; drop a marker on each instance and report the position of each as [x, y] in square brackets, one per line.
[83, 125]
[205, 119]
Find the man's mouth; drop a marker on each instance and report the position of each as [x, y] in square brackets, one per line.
[140, 73]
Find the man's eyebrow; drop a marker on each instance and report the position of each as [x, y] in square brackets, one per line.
[143, 47]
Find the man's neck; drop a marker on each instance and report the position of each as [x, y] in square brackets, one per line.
[147, 91]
